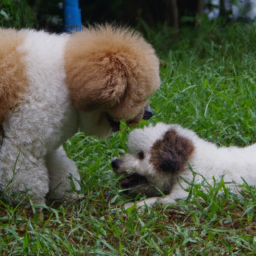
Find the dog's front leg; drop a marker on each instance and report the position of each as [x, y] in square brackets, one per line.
[60, 168]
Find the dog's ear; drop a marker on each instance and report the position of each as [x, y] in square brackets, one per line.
[171, 153]
[102, 83]
[110, 68]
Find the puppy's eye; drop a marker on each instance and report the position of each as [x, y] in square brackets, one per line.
[141, 155]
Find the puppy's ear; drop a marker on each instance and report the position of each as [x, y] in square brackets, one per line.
[169, 162]
[171, 153]
[102, 83]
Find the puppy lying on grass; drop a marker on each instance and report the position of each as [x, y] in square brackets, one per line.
[159, 156]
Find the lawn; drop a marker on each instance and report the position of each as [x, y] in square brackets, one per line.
[209, 86]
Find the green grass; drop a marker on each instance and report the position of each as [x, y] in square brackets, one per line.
[16, 14]
[209, 86]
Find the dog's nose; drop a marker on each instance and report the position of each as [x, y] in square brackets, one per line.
[147, 112]
[116, 163]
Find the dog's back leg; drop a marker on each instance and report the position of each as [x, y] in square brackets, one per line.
[20, 172]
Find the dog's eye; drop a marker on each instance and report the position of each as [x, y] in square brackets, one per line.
[141, 155]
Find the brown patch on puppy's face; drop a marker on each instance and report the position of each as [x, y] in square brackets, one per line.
[171, 153]
[111, 69]
[13, 80]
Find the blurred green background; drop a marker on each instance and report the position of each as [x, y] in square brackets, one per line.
[47, 14]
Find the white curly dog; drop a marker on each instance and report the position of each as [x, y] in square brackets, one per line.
[52, 85]
[158, 156]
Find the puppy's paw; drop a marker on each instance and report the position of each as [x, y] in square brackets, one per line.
[142, 204]
[129, 205]
[149, 202]
[74, 196]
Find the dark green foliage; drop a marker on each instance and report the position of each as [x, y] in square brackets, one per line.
[48, 14]
[16, 14]
[213, 39]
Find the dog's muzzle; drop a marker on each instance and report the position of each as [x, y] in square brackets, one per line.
[147, 112]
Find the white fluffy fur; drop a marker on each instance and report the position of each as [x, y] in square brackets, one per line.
[207, 159]
[42, 123]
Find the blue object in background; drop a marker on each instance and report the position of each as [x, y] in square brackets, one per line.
[72, 16]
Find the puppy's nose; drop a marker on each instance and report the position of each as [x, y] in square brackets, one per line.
[147, 112]
[116, 163]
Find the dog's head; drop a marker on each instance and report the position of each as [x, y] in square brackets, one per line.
[156, 156]
[111, 70]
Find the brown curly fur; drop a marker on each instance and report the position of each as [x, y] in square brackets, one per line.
[111, 69]
[13, 81]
